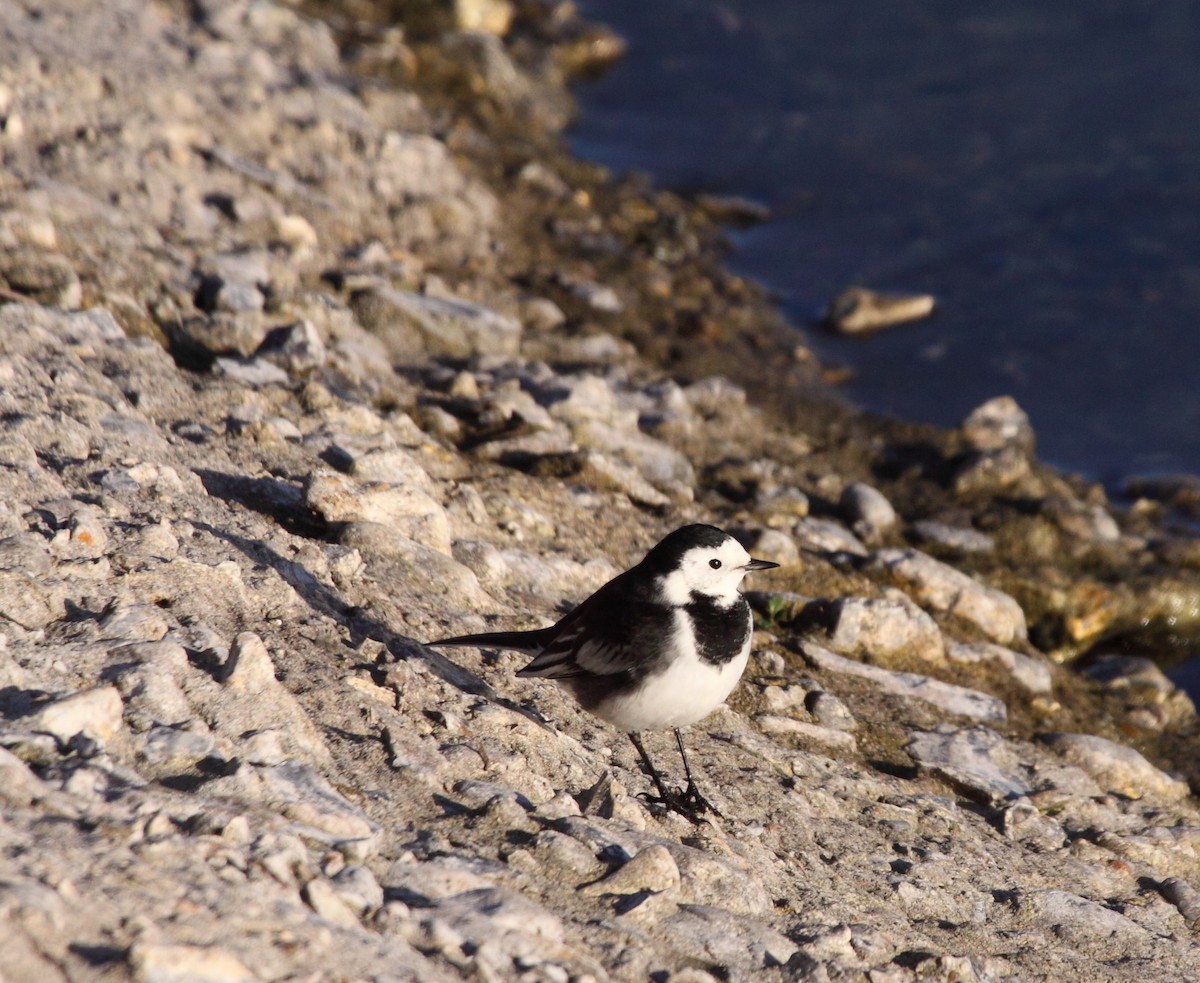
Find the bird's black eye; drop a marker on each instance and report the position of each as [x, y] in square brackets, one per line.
[715, 564]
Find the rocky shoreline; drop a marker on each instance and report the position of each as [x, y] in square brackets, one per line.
[314, 345]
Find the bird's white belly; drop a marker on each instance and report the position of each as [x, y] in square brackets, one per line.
[684, 692]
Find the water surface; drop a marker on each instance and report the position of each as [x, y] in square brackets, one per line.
[1035, 166]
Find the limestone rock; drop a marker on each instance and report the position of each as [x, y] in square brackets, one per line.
[939, 586]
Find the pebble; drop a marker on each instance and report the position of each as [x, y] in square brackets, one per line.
[867, 509]
[597, 296]
[948, 697]
[151, 962]
[1083, 923]
[176, 746]
[827, 536]
[416, 324]
[975, 758]
[937, 585]
[1117, 767]
[320, 895]
[651, 870]
[1184, 897]
[305, 797]
[604, 473]
[959, 539]
[406, 511]
[249, 667]
[859, 310]
[989, 471]
[257, 372]
[358, 888]
[296, 348]
[94, 713]
[835, 739]
[829, 711]
[1033, 674]
[739, 942]
[27, 603]
[883, 628]
[19, 786]
[996, 424]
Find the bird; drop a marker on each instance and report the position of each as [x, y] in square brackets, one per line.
[658, 646]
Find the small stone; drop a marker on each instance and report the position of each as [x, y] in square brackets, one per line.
[597, 296]
[952, 699]
[740, 943]
[1025, 823]
[867, 509]
[325, 901]
[305, 797]
[959, 539]
[858, 310]
[393, 466]
[264, 748]
[254, 372]
[997, 424]
[158, 541]
[1184, 897]
[358, 888]
[827, 536]
[599, 471]
[829, 711]
[298, 348]
[19, 786]
[1030, 673]
[939, 586]
[165, 963]
[540, 313]
[883, 628]
[27, 603]
[176, 746]
[491, 16]
[415, 324]
[95, 713]
[608, 799]
[1116, 767]
[249, 667]
[990, 470]
[1082, 923]
[406, 511]
[975, 758]
[837, 740]
[296, 233]
[715, 396]
[652, 869]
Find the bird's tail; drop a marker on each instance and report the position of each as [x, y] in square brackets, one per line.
[520, 641]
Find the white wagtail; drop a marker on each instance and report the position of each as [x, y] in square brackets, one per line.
[661, 645]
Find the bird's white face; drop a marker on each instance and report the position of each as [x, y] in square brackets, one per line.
[715, 571]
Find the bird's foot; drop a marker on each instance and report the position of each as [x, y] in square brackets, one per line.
[687, 802]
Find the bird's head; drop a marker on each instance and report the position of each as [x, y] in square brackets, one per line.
[704, 560]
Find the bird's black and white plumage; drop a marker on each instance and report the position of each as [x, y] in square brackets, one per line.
[661, 645]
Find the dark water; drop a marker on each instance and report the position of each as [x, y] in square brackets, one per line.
[1034, 165]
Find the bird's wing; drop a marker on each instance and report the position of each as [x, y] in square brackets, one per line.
[613, 631]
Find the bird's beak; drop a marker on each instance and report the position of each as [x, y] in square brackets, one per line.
[760, 565]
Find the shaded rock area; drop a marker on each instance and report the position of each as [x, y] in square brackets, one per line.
[313, 346]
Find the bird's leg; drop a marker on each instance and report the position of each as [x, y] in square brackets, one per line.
[665, 796]
[689, 803]
[691, 794]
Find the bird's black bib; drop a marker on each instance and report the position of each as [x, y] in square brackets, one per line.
[720, 632]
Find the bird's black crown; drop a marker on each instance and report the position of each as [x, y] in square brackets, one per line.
[666, 555]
